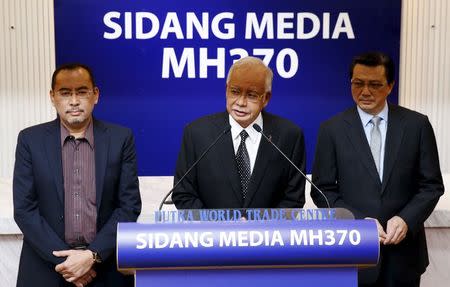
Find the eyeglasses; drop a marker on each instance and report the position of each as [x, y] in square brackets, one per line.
[80, 94]
[373, 86]
[251, 96]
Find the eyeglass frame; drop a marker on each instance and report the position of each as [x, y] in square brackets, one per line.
[251, 96]
[373, 86]
[79, 93]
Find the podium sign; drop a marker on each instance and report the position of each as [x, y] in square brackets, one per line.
[267, 252]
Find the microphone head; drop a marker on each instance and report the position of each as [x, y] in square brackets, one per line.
[257, 128]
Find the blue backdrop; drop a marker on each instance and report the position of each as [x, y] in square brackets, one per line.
[129, 45]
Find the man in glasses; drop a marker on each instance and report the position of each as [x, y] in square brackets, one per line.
[380, 161]
[242, 170]
[75, 178]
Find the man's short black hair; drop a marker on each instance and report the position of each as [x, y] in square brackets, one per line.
[373, 59]
[71, 67]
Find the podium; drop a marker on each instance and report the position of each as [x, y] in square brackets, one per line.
[263, 247]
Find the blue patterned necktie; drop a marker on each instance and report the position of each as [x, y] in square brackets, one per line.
[243, 163]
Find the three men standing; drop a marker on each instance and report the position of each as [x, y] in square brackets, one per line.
[75, 177]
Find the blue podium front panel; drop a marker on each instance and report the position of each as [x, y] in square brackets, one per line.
[316, 277]
[247, 243]
[293, 250]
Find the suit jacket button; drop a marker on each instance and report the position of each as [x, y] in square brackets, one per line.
[61, 217]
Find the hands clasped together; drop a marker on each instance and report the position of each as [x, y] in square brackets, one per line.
[78, 266]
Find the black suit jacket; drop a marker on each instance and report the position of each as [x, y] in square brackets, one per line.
[214, 182]
[38, 196]
[345, 171]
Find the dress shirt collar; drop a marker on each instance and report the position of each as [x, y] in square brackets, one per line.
[236, 129]
[88, 134]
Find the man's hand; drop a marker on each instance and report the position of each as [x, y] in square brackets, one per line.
[85, 279]
[381, 234]
[77, 264]
[396, 230]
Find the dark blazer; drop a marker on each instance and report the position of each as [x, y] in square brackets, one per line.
[38, 195]
[214, 182]
[345, 171]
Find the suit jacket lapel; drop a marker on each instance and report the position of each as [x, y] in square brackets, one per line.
[101, 143]
[394, 136]
[357, 137]
[54, 155]
[263, 157]
[227, 155]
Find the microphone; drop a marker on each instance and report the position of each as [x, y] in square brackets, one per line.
[259, 130]
[227, 128]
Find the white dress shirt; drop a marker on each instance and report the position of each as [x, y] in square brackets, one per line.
[253, 140]
[365, 120]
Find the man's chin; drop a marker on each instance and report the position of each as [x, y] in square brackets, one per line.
[242, 123]
[76, 122]
[366, 107]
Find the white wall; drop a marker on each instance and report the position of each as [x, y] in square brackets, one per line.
[27, 60]
[425, 66]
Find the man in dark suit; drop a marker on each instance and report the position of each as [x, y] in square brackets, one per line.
[242, 170]
[380, 161]
[75, 178]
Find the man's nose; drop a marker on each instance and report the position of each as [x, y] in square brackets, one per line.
[74, 100]
[365, 90]
[242, 100]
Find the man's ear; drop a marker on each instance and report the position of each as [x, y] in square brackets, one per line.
[96, 94]
[267, 97]
[391, 86]
[52, 97]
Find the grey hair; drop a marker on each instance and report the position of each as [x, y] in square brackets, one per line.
[249, 60]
